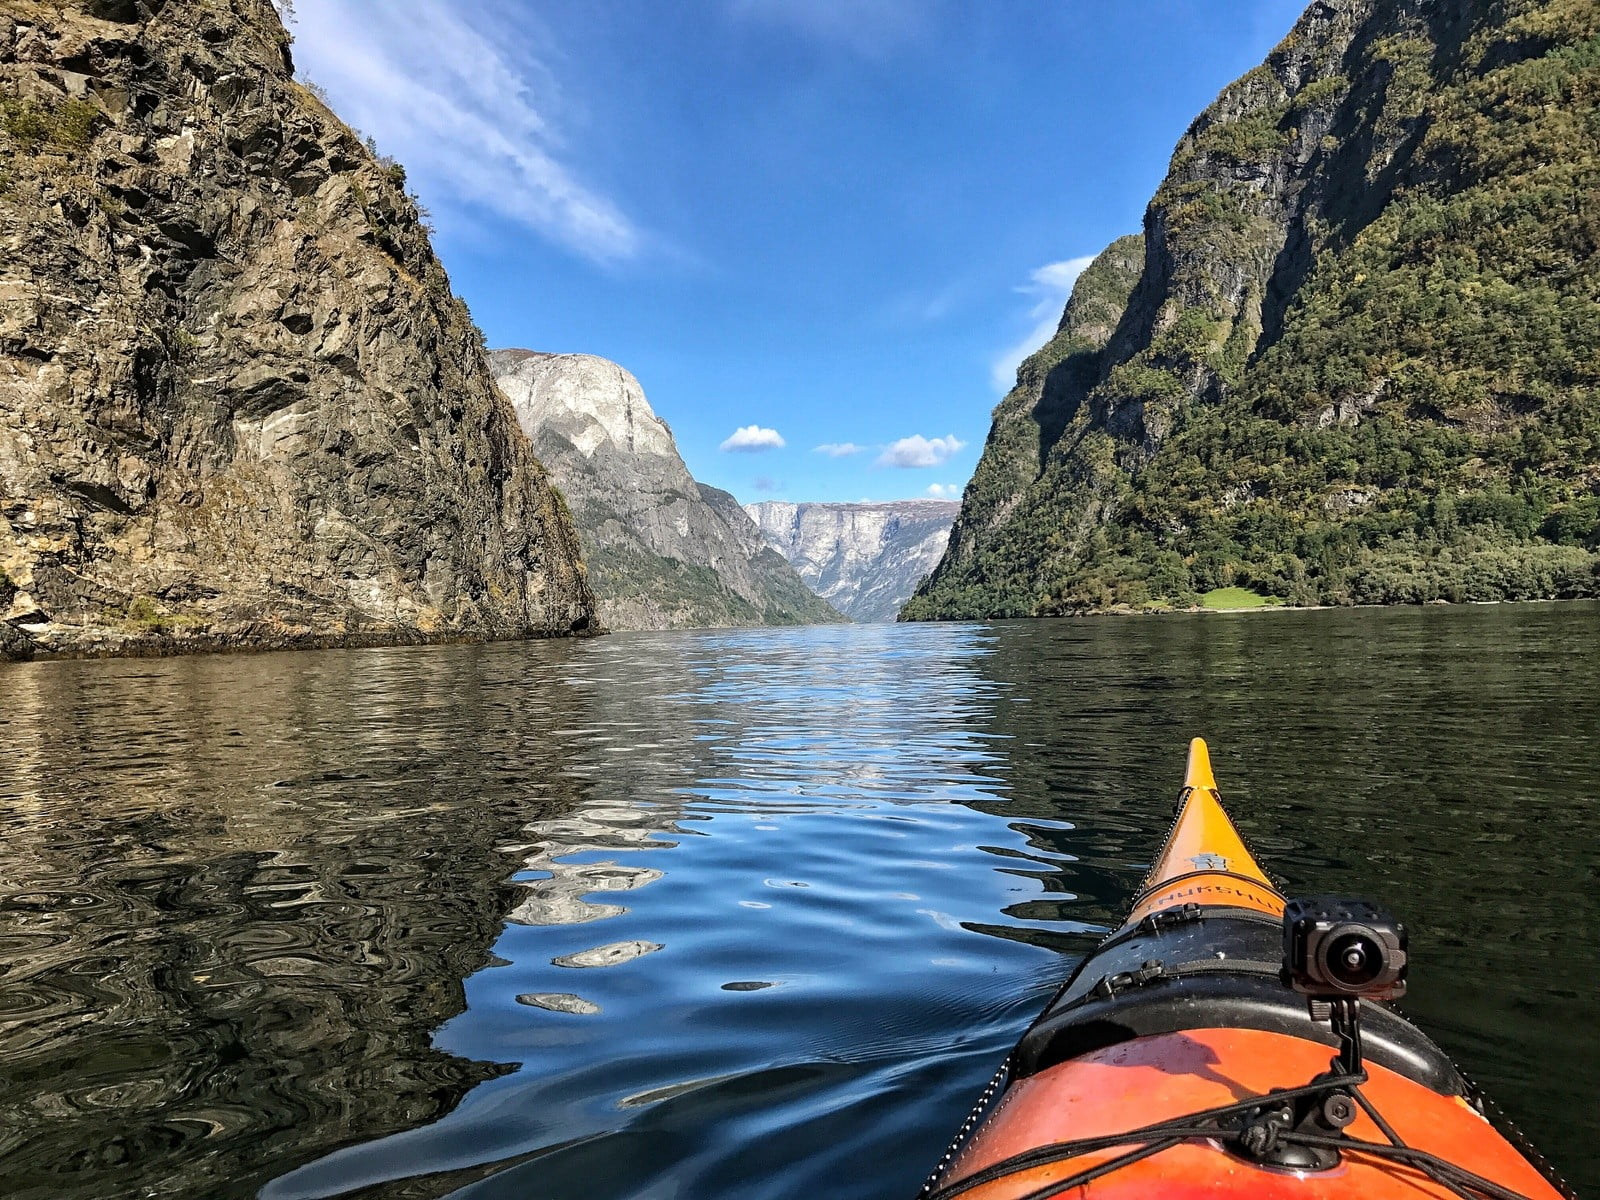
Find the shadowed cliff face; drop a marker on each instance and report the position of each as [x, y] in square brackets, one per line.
[984, 571]
[1357, 362]
[238, 402]
[864, 559]
[663, 551]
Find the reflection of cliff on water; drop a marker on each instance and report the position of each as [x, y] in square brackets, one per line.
[238, 894]
[633, 757]
[757, 919]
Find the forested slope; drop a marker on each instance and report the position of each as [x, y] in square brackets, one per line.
[1361, 361]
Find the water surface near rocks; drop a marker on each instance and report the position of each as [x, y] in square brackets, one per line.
[730, 913]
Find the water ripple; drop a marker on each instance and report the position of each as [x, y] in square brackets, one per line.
[673, 912]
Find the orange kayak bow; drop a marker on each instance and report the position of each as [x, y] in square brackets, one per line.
[1226, 1043]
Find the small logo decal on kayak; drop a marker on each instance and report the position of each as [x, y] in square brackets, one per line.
[1209, 862]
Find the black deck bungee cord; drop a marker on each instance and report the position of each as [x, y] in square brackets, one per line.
[1105, 1168]
[1182, 1127]
[1377, 1117]
[1167, 1134]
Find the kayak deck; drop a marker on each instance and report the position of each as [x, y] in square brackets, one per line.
[1204, 860]
[1186, 1008]
[1158, 1078]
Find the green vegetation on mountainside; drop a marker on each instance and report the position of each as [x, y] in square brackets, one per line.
[1236, 597]
[1421, 419]
[1028, 422]
[680, 588]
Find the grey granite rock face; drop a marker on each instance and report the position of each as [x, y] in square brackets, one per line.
[664, 552]
[864, 559]
[239, 406]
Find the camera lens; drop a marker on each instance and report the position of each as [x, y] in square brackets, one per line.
[1353, 960]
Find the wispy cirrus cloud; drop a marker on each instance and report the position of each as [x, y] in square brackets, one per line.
[1050, 285]
[918, 451]
[440, 88]
[870, 28]
[838, 449]
[752, 439]
[923, 306]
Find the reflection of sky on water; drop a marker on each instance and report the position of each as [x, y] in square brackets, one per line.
[772, 845]
[857, 842]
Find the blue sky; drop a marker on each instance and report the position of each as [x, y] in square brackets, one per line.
[820, 223]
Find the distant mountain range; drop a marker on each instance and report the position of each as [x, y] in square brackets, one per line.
[1354, 357]
[663, 551]
[864, 559]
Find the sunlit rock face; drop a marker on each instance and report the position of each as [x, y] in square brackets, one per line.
[239, 405]
[663, 551]
[864, 559]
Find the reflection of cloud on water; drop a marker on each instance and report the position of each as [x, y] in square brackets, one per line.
[622, 770]
[559, 898]
[609, 955]
[562, 1002]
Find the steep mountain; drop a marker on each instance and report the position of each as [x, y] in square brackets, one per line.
[864, 559]
[1358, 362]
[663, 551]
[779, 578]
[239, 405]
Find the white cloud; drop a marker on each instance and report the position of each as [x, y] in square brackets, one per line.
[1050, 285]
[944, 491]
[918, 451]
[751, 438]
[440, 87]
[838, 449]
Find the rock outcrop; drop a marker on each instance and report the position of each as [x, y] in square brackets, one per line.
[983, 572]
[1359, 361]
[663, 551]
[239, 405]
[864, 559]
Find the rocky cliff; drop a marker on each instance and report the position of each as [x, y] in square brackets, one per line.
[239, 405]
[1359, 361]
[864, 559]
[663, 551]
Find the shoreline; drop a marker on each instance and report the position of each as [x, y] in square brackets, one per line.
[1254, 608]
[106, 643]
[1201, 610]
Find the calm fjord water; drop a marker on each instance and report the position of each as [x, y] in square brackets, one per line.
[731, 914]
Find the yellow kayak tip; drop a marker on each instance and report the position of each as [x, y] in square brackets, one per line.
[1204, 860]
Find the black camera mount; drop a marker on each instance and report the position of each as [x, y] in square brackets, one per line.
[1337, 952]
